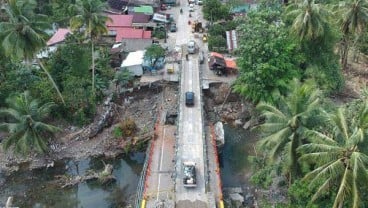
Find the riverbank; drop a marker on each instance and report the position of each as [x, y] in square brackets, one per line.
[141, 105]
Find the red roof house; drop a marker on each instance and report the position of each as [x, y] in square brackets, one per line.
[119, 21]
[58, 37]
[131, 33]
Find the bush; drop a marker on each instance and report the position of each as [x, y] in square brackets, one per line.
[128, 127]
[217, 44]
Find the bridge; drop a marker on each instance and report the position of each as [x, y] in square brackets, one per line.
[189, 140]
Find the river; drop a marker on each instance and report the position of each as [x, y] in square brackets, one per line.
[34, 188]
[235, 167]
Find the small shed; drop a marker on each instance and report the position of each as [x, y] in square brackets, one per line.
[134, 62]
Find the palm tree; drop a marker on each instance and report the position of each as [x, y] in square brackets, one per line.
[353, 21]
[338, 160]
[90, 17]
[22, 35]
[284, 126]
[310, 20]
[25, 127]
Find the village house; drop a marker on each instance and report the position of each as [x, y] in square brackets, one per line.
[57, 38]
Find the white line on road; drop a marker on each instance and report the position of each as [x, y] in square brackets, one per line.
[159, 167]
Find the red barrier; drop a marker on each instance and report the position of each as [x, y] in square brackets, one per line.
[213, 141]
[150, 153]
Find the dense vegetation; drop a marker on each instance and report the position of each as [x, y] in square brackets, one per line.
[74, 78]
[291, 58]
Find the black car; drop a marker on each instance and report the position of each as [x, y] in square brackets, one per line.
[189, 98]
[173, 27]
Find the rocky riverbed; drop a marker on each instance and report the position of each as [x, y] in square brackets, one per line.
[97, 138]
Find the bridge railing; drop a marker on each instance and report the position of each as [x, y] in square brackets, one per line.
[142, 178]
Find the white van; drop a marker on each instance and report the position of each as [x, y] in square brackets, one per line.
[191, 46]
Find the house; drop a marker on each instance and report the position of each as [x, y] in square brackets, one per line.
[133, 39]
[52, 44]
[143, 21]
[118, 21]
[148, 10]
[134, 62]
[58, 37]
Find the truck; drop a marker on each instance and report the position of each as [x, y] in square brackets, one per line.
[189, 171]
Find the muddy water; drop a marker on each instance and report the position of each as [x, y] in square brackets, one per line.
[35, 189]
[235, 167]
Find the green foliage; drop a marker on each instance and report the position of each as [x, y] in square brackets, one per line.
[285, 125]
[159, 33]
[24, 124]
[214, 10]
[118, 133]
[22, 35]
[337, 159]
[362, 43]
[71, 69]
[317, 38]
[154, 52]
[217, 30]
[123, 77]
[269, 59]
[62, 11]
[300, 195]
[263, 176]
[217, 43]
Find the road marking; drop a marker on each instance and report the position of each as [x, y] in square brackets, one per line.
[159, 167]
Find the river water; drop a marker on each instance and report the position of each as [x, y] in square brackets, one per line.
[34, 189]
[235, 167]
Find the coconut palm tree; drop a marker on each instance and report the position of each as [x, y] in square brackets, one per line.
[285, 124]
[354, 18]
[338, 160]
[22, 35]
[90, 17]
[25, 127]
[310, 19]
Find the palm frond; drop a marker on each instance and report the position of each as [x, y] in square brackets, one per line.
[343, 191]
[270, 110]
[322, 189]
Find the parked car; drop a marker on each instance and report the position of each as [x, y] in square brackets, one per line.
[191, 46]
[189, 98]
[199, 2]
[191, 7]
[173, 27]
